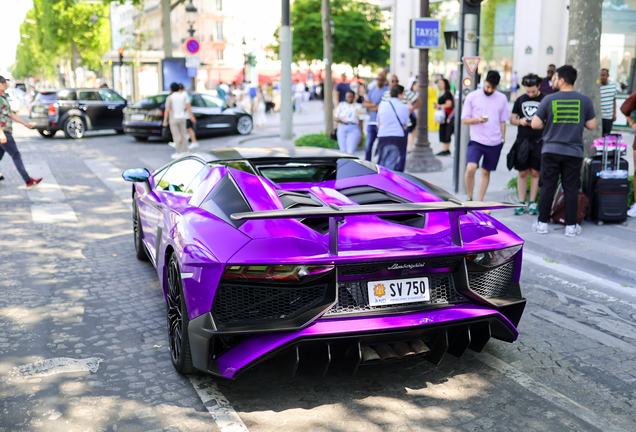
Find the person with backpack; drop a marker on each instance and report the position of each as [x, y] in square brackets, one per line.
[393, 116]
[526, 151]
[562, 115]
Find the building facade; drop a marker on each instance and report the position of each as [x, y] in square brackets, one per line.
[515, 35]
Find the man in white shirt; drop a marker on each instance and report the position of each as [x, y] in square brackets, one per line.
[178, 110]
[392, 118]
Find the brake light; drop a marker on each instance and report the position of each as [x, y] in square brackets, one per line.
[52, 109]
[274, 272]
[494, 258]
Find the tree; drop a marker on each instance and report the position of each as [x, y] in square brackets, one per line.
[31, 56]
[358, 38]
[65, 29]
[584, 53]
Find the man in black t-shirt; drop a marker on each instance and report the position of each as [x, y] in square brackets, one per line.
[528, 144]
[564, 115]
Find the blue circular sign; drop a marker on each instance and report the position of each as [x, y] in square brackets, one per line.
[192, 46]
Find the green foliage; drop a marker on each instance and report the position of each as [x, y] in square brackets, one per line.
[512, 185]
[359, 38]
[316, 140]
[63, 28]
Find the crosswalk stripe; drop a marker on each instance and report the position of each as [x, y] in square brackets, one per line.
[48, 190]
[48, 198]
[111, 176]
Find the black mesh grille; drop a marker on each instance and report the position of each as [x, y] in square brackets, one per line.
[492, 283]
[353, 296]
[360, 270]
[248, 304]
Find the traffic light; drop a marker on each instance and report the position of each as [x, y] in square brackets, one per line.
[121, 56]
[471, 6]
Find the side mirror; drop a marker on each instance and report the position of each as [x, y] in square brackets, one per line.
[136, 175]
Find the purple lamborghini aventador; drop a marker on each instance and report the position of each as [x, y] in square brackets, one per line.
[315, 257]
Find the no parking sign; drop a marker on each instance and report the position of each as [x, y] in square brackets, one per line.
[192, 46]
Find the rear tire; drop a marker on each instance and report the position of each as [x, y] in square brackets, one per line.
[75, 127]
[140, 138]
[177, 316]
[46, 133]
[140, 249]
[244, 125]
[119, 131]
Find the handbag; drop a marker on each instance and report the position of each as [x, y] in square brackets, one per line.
[440, 116]
[333, 136]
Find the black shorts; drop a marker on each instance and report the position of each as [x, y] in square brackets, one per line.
[446, 131]
[189, 124]
[534, 161]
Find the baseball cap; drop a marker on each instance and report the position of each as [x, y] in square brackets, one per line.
[2, 79]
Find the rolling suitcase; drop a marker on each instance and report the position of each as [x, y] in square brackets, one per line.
[611, 190]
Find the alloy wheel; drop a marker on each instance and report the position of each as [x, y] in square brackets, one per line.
[75, 127]
[175, 318]
[244, 125]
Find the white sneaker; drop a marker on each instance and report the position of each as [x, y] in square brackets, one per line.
[632, 211]
[540, 227]
[193, 145]
[176, 155]
[572, 230]
[173, 145]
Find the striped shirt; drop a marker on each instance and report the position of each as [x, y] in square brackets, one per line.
[608, 96]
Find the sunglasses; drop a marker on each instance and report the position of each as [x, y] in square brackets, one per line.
[531, 82]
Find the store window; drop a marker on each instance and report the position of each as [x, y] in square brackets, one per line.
[618, 39]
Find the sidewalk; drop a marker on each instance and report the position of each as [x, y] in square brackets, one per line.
[607, 251]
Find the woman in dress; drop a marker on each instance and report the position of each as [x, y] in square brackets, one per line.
[446, 129]
[348, 116]
[258, 109]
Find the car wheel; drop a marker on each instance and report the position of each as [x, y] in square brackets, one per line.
[46, 133]
[140, 138]
[138, 233]
[177, 315]
[75, 127]
[244, 125]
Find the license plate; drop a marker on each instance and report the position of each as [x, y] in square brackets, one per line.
[398, 291]
[137, 117]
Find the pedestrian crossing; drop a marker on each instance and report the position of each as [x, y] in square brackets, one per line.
[110, 175]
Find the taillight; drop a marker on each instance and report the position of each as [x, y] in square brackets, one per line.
[155, 113]
[494, 258]
[52, 109]
[274, 272]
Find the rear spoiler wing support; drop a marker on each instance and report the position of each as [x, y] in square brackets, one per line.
[337, 214]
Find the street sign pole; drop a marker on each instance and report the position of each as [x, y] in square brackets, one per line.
[193, 61]
[466, 82]
[285, 73]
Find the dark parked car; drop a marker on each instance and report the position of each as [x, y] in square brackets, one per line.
[144, 119]
[74, 111]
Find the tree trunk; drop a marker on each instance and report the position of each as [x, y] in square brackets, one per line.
[165, 28]
[584, 53]
[327, 44]
[422, 159]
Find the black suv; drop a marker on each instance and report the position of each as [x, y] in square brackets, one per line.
[75, 111]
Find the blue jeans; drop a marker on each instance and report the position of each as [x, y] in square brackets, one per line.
[392, 152]
[372, 133]
[348, 137]
[11, 148]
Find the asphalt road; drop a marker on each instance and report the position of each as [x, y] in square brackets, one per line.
[83, 343]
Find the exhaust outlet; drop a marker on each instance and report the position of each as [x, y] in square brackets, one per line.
[369, 354]
[419, 347]
[386, 352]
[402, 349]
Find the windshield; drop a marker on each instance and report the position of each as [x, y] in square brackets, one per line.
[46, 97]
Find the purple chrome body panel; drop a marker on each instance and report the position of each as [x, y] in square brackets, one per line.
[205, 244]
[260, 345]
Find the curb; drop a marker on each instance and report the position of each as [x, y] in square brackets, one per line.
[614, 273]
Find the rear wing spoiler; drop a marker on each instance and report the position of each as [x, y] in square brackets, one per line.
[454, 208]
